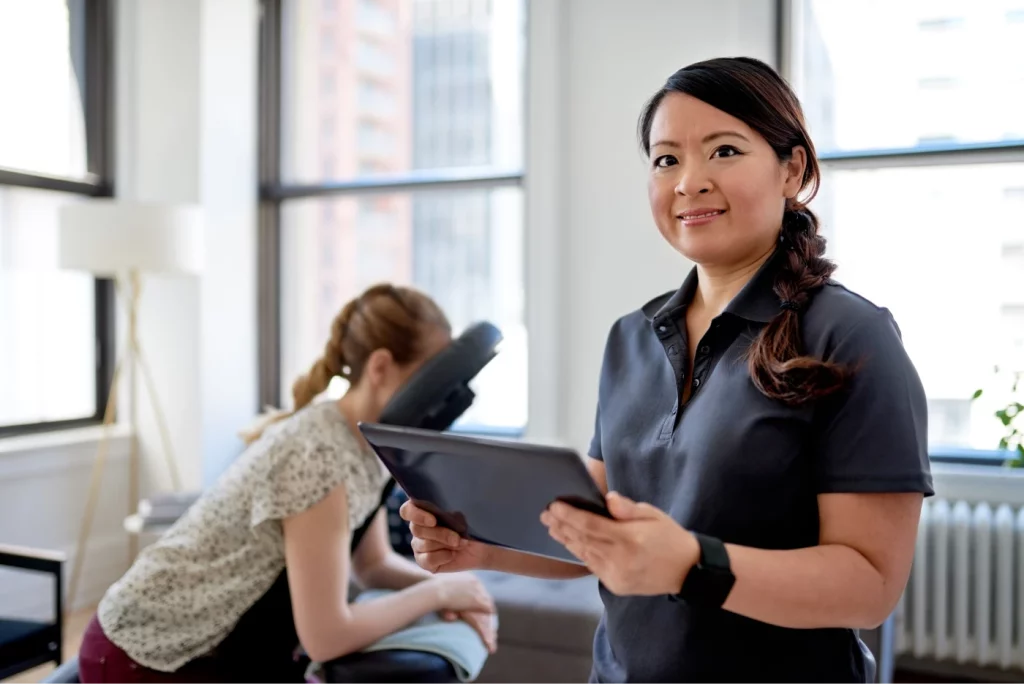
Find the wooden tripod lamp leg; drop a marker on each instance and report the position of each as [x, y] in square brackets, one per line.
[95, 483]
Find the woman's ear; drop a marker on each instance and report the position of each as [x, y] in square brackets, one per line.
[379, 364]
[793, 169]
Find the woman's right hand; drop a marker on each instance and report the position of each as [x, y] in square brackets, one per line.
[439, 549]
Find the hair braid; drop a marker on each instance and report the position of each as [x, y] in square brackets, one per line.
[778, 366]
[330, 364]
[382, 317]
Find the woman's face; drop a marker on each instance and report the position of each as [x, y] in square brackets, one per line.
[717, 189]
[385, 377]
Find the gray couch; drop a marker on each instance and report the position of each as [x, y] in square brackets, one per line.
[546, 628]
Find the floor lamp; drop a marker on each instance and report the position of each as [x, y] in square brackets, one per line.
[123, 241]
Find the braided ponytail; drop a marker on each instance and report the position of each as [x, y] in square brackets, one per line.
[382, 317]
[332, 363]
[777, 365]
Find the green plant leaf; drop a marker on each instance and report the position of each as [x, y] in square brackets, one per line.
[977, 393]
[1004, 443]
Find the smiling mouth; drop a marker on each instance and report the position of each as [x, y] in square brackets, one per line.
[700, 216]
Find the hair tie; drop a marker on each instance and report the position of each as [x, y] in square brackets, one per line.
[789, 305]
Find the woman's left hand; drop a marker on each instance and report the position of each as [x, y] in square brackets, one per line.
[642, 552]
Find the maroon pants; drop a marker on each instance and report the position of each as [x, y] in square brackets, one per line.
[99, 660]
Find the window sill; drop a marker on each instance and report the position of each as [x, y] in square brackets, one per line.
[974, 457]
[60, 450]
[976, 483]
[42, 441]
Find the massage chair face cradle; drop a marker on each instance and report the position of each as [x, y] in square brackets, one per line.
[438, 393]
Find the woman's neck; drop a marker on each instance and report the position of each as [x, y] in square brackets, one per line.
[357, 408]
[719, 285]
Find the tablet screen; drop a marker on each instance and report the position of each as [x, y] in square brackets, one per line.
[488, 490]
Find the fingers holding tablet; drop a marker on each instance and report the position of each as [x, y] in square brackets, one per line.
[412, 513]
[442, 535]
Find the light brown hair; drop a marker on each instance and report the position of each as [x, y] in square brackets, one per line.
[385, 316]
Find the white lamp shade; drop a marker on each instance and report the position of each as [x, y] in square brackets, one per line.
[106, 237]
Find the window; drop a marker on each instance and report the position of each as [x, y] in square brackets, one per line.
[57, 342]
[922, 155]
[424, 186]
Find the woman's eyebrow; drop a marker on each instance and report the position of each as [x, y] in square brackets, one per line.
[707, 138]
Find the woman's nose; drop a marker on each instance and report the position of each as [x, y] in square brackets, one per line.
[693, 182]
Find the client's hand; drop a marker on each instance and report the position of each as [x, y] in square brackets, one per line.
[463, 596]
[483, 623]
[439, 549]
[462, 592]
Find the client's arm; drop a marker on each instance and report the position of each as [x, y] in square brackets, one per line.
[317, 557]
[376, 564]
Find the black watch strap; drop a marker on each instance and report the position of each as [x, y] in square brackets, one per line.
[709, 582]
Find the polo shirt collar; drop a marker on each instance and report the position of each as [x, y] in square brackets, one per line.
[756, 302]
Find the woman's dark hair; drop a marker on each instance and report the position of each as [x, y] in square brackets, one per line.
[754, 93]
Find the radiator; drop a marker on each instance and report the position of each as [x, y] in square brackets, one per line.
[965, 599]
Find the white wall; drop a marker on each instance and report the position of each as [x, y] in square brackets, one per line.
[229, 43]
[594, 63]
[186, 132]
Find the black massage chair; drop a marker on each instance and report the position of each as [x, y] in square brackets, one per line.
[434, 398]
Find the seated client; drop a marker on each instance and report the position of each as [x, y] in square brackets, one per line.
[259, 565]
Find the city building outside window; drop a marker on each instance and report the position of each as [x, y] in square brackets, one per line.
[418, 181]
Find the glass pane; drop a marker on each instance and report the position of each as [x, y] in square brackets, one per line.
[463, 247]
[389, 86]
[42, 123]
[876, 74]
[954, 280]
[48, 345]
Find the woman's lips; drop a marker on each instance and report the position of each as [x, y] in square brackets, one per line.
[699, 217]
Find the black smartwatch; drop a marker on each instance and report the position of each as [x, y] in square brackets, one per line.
[709, 582]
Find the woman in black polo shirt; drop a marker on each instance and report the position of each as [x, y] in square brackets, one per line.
[762, 430]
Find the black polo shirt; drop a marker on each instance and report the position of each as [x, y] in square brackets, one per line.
[746, 469]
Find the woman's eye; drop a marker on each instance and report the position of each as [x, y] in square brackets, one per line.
[665, 160]
[725, 151]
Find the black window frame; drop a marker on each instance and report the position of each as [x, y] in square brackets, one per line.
[273, 192]
[939, 154]
[97, 72]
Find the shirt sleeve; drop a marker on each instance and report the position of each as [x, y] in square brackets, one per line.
[297, 477]
[873, 436]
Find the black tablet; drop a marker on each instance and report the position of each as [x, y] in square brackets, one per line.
[490, 490]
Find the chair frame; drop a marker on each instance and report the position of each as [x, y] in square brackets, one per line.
[51, 563]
